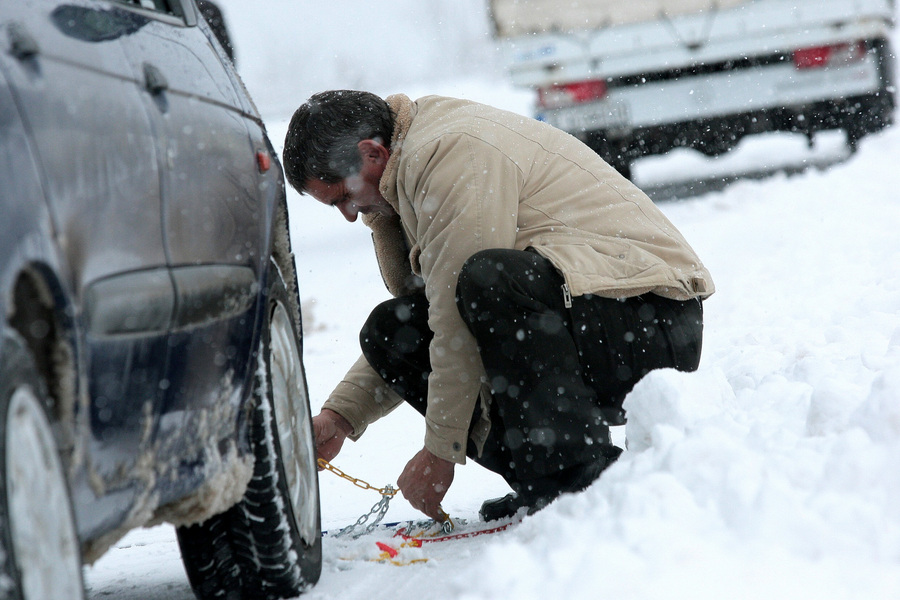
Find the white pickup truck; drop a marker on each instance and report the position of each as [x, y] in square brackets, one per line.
[633, 78]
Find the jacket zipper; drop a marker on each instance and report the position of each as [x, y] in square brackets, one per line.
[567, 295]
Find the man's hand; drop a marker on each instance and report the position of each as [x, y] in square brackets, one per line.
[330, 429]
[425, 481]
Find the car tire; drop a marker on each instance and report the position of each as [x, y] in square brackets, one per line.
[40, 556]
[270, 544]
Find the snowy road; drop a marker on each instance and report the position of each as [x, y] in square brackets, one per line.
[768, 473]
[145, 565]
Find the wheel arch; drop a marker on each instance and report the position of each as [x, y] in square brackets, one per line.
[39, 313]
[283, 257]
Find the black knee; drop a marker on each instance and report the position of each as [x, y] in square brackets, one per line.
[395, 327]
[478, 282]
[497, 281]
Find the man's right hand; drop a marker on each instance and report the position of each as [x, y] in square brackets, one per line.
[330, 429]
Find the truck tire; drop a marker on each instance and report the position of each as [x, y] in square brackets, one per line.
[873, 113]
[41, 556]
[623, 166]
[614, 153]
[270, 544]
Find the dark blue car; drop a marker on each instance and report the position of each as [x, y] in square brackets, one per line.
[150, 334]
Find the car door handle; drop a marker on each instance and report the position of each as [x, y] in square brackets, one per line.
[155, 82]
[22, 45]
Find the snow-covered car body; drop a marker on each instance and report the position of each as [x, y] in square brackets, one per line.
[639, 78]
[145, 225]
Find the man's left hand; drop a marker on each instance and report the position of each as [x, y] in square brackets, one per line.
[425, 481]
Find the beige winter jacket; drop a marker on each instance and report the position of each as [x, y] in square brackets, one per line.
[464, 177]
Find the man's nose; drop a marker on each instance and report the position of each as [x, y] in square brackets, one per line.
[349, 210]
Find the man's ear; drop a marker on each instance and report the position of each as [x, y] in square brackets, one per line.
[373, 151]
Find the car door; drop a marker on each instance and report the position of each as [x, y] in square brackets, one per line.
[93, 137]
[213, 224]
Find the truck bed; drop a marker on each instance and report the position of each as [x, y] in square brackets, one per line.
[514, 18]
[676, 38]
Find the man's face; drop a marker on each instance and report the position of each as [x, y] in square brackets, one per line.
[357, 193]
[352, 196]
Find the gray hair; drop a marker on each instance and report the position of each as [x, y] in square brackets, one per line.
[321, 142]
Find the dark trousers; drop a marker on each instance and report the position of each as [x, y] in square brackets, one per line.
[558, 375]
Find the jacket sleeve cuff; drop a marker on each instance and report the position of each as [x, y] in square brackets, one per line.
[446, 442]
[355, 413]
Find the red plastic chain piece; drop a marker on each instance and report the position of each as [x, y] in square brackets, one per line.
[392, 552]
[455, 536]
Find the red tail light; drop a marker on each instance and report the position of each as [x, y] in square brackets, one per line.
[823, 56]
[571, 93]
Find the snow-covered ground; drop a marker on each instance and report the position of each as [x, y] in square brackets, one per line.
[772, 472]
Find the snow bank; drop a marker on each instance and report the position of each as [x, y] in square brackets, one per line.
[718, 497]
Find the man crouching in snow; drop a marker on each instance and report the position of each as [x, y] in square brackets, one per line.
[533, 287]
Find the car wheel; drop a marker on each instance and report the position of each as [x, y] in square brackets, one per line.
[40, 555]
[270, 544]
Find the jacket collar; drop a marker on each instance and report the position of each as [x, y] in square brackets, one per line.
[404, 112]
[391, 247]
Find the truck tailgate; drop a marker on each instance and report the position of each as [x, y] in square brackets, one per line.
[513, 18]
[746, 29]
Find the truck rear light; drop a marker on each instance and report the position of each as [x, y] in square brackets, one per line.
[825, 56]
[567, 94]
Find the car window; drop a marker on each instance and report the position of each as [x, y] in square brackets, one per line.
[169, 7]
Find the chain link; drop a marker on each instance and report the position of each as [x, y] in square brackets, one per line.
[381, 507]
[378, 511]
[385, 491]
